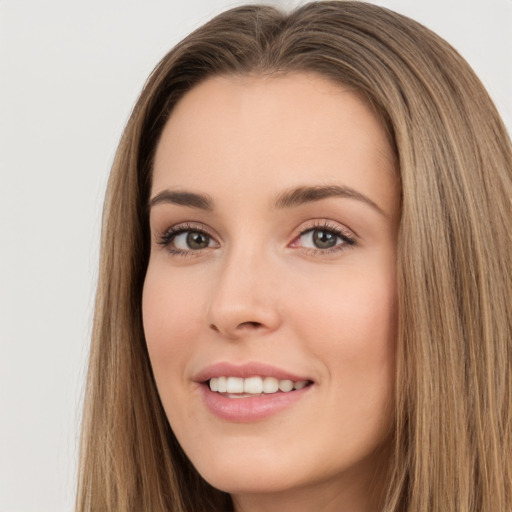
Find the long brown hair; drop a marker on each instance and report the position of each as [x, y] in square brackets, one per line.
[452, 448]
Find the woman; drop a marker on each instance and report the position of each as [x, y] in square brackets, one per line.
[304, 295]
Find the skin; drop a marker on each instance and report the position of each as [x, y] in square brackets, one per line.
[262, 291]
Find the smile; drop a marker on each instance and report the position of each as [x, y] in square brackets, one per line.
[253, 391]
[237, 387]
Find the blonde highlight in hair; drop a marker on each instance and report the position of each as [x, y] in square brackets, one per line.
[453, 426]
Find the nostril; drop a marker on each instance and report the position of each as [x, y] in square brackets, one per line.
[243, 325]
[250, 324]
[236, 330]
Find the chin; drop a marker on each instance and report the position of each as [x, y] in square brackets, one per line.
[270, 470]
[238, 481]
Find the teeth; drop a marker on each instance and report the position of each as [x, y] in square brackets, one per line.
[235, 385]
[270, 385]
[285, 385]
[254, 385]
[222, 385]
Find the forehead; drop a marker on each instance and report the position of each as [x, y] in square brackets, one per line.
[283, 130]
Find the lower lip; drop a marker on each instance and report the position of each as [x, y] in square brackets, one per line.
[252, 408]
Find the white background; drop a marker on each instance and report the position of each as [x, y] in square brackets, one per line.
[70, 72]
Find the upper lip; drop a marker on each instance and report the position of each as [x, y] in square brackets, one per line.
[251, 369]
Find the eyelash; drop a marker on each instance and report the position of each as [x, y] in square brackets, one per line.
[347, 240]
[166, 238]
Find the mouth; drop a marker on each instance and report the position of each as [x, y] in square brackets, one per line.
[251, 392]
[254, 386]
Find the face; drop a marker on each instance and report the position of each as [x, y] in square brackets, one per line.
[269, 304]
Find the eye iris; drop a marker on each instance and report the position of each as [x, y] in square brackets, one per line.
[197, 240]
[324, 239]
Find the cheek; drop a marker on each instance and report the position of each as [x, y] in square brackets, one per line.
[359, 308]
[352, 329]
[169, 322]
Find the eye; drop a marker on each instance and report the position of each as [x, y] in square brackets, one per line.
[186, 239]
[191, 240]
[323, 239]
[319, 238]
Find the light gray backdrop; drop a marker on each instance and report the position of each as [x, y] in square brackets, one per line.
[70, 72]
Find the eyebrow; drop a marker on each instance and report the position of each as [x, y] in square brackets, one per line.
[302, 195]
[287, 199]
[182, 198]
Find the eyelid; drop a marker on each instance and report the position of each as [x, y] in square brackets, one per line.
[325, 224]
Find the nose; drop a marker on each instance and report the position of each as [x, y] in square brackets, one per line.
[244, 297]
